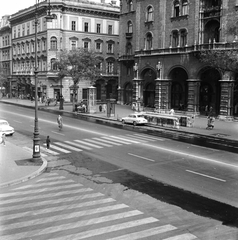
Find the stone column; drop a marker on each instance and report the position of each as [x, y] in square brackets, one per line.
[226, 101]
[162, 94]
[193, 95]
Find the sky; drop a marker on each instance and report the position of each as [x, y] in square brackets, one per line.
[9, 7]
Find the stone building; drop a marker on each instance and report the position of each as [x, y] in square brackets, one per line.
[159, 44]
[5, 54]
[75, 23]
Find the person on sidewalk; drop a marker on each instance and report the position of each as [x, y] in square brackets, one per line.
[210, 122]
[48, 142]
[3, 139]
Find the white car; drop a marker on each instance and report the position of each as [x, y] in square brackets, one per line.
[6, 128]
[135, 119]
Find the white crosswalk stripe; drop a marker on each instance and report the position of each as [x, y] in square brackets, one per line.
[96, 142]
[57, 210]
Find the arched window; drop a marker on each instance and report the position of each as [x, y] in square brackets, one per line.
[149, 14]
[185, 7]
[129, 27]
[183, 38]
[148, 43]
[53, 43]
[129, 49]
[53, 66]
[130, 5]
[176, 8]
[175, 39]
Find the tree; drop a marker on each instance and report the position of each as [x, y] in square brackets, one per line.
[80, 64]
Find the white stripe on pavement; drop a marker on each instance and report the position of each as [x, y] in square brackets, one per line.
[52, 209]
[133, 138]
[89, 144]
[72, 225]
[116, 140]
[106, 141]
[49, 151]
[69, 147]
[149, 137]
[3, 202]
[48, 202]
[78, 145]
[113, 228]
[145, 233]
[50, 178]
[185, 236]
[65, 216]
[97, 142]
[123, 139]
[59, 149]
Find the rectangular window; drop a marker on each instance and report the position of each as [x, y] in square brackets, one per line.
[73, 45]
[3, 41]
[28, 30]
[98, 28]
[19, 32]
[109, 67]
[86, 45]
[27, 48]
[109, 48]
[85, 27]
[15, 33]
[98, 47]
[110, 29]
[38, 46]
[73, 26]
[23, 31]
[85, 93]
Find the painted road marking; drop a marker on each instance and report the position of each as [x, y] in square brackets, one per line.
[204, 175]
[151, 160]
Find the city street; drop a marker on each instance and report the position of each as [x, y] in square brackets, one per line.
[110, 156]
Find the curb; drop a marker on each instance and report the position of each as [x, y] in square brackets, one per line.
[28, 177]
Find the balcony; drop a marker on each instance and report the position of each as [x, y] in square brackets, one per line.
[129, 35]
[213, 11]
[187, 49]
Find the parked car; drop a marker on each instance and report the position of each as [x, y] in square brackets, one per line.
[135, 119]
[6, 128]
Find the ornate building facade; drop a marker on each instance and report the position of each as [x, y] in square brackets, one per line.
[159, 44]
[75, 23]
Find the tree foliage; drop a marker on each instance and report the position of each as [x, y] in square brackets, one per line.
[79, 64]
[223, 60]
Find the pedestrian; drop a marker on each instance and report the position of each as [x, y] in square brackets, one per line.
[206, 110]
[48, 142]
[3, 139]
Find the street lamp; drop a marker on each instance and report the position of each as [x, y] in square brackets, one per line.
[61, 107]
[36, 138]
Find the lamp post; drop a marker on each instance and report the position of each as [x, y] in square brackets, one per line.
[61, 107]
[36, 138]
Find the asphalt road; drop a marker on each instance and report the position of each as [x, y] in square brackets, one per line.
[207, 172]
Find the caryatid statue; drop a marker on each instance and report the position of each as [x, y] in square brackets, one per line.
[136, 71]
[159, 69]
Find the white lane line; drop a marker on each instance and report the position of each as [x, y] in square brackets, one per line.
[190, 155]
[58, 133]
[110, 142]
[97, 142]
[145, 233]
[204, 175]
[211, 149]
[151, 160]
[69, 147]
[185, 236]
[89, 144]
[78, 145]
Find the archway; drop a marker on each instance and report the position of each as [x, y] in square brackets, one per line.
[179, 89]
[149, 95]
[210, 91]
[128, 93]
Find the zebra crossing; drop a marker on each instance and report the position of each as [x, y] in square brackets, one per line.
[87, 144]
[58, 208]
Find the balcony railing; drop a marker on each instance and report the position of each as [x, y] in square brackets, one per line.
[189, 49]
